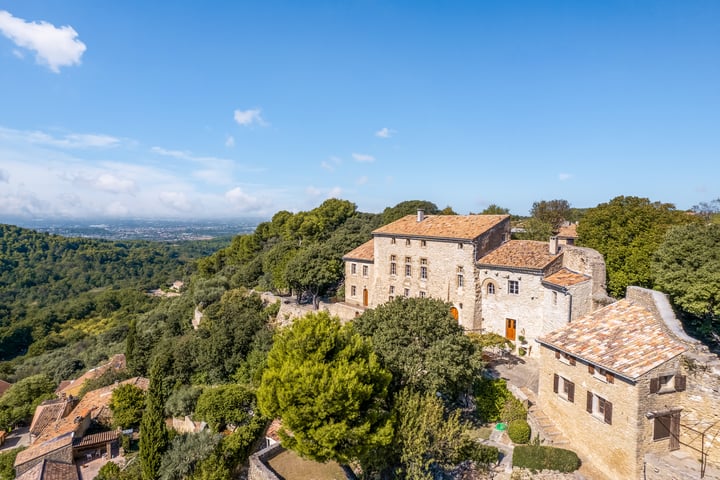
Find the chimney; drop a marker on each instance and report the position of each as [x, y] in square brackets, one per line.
[420, 215]
[554, 245]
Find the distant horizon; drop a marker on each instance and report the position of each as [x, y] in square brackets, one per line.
[133, 109]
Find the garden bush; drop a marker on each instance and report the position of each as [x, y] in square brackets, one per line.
[513, 410]
[543, 457]
[519, 431]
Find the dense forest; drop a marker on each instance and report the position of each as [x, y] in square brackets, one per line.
[68, 304]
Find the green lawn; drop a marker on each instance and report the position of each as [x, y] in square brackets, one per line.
[290, 466]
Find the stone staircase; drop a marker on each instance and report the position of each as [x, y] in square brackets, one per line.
[544, 426]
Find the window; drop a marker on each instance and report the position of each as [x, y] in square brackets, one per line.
[513, 287]
[460, 277]
[423, 268]
[422, 294]
[661, 428]
[353, 291]
[564, 388]
[365, 270]
[392, 290]
[668, 383]
[565, 358]
[392, 241]
[407, 242]
[460, 246]
[599, 408]
[393, 265]
[353, 268]
[601, 374]
[554, 298]
[491, 288]
[408, 267]
[407, 292]
[423, 243]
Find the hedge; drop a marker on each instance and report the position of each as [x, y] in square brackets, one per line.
[519, 431]
[543, 457]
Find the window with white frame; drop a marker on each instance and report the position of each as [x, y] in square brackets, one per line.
[491, 288]
[513, 287]
[393, 265]
[460, 276]
[353, 291]
[423, 269]
[406, 292]
[365, 270]
[599, 407]
[601, 374]
[353, 268]
[564, 388]
[408, 267]
[392, 289]
[422, 294]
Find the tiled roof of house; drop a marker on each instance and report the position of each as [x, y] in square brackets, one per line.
[4, 386]
[565, 278]
[568, 231]
[520, 254]
[45, 447]
[117, 362]
[460, 227]
[95, 439]
[624, 338]
[46, 413]
[365, 252]
[50, 470]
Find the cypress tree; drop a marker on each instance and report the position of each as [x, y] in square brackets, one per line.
[153, 432]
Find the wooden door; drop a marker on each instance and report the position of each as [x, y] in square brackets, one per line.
[454, 313]
[510, 325]
[365, 297]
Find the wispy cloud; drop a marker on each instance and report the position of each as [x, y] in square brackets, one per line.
[334, 192]
[4, 176]
[175, 200]
[331, 163]
[564, 176]
[72, 140]
[360, 157]
[385, 132]
[230, 141]
[245, 118]
[54, 47]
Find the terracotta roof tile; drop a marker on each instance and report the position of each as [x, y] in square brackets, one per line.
[50, 470]
[568, 231]
[47, 446]
[4, 386]
[366, 251]
[117, 362]
[624, 338]
[46, 413]
[520, 254]
[565, 278]
[460, 227]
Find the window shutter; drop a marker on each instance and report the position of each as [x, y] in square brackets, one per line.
[608, 412]
[609, 377]
[557, 354]
[556, 379]
[572, 360]
[654, 385]
[589, 402]
[591, 370]
[680, 381]
[571, 392]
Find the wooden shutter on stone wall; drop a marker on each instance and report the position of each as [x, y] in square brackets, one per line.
[609, 377]
[571, 359]
[654, 385]
[571, 392]
[591, 369]
[680, 383]
[608, 412]
[557, 354]
[589, 402]
[556, 379]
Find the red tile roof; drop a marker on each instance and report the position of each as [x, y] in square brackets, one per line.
[46, 413]
[459, 227]
[520, 254]
[365, 252]
[39, 449]
[624, 338]
[565, 278]
[117, 362]
[568, 231]
[4, 386]
[50, 470]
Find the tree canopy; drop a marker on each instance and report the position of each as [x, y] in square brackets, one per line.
[628, 231]
[326, 384]
[127, 404]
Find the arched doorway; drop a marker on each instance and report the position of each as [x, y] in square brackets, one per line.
[454, 313]
[365, 297]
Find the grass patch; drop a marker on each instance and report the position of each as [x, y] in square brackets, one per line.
[543, 457]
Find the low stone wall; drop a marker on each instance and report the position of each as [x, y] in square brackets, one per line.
[258, 463]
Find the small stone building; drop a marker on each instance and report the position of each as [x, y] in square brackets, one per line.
[616, 383]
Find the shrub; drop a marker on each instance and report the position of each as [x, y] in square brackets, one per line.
[490, 397]
[542, 457]
[519, 431]
[513, 410]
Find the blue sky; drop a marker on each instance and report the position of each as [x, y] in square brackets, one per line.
[222, 109]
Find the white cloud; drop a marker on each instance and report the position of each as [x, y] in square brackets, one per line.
[246, 118]
[360, 157]
[110, 183]
[4, 176]
[385, 132]
[564, 176]
[362, 180]
[71, 140]
[238, 197]
[230, 141]
[175, 200]
[331, 164]
[335, 192]
[313, 191]
[116, 209]
[54, 46]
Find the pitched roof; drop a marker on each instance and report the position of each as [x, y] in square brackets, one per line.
[624, 338]
[366, 252]
[50, 470]
[117, 362]
[46, 413]
[47, 446]
[565, 278]
[520, 254]
[568, 231]
[4, 386]
[458, 227]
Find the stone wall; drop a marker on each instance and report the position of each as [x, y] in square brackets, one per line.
[588, 262]
[258, 463]
[360, 281]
